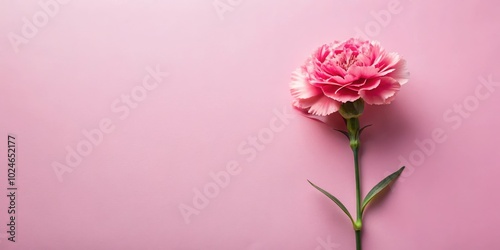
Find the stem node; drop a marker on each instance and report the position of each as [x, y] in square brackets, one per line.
[358, 225]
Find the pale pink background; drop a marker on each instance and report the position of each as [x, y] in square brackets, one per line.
[227, 78]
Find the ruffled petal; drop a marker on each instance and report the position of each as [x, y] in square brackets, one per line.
[300, 87]
[386, 63]
[383, 94]
[340, 94]
[400, 73]
[324, 106]
[359, 72]
[370, 84]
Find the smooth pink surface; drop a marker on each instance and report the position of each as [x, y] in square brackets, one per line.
[228, 82]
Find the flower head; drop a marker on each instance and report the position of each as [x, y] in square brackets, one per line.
[343, 72]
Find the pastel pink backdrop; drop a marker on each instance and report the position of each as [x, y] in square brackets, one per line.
[227, 79]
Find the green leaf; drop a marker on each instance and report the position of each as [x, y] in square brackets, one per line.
[343, 132]
[380, 187]
[334, 199]
[363, 128]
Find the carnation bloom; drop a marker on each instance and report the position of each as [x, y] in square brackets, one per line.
[343, 72]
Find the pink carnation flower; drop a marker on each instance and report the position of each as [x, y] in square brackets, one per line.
[345, 72]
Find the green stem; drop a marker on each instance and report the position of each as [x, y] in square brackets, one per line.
[359, 219]
[358, 184]
[353, 129]
[358, 239]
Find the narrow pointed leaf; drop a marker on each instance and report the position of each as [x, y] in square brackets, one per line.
[343, 132]
[363, 128]
[334, 199]
[380, 187]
